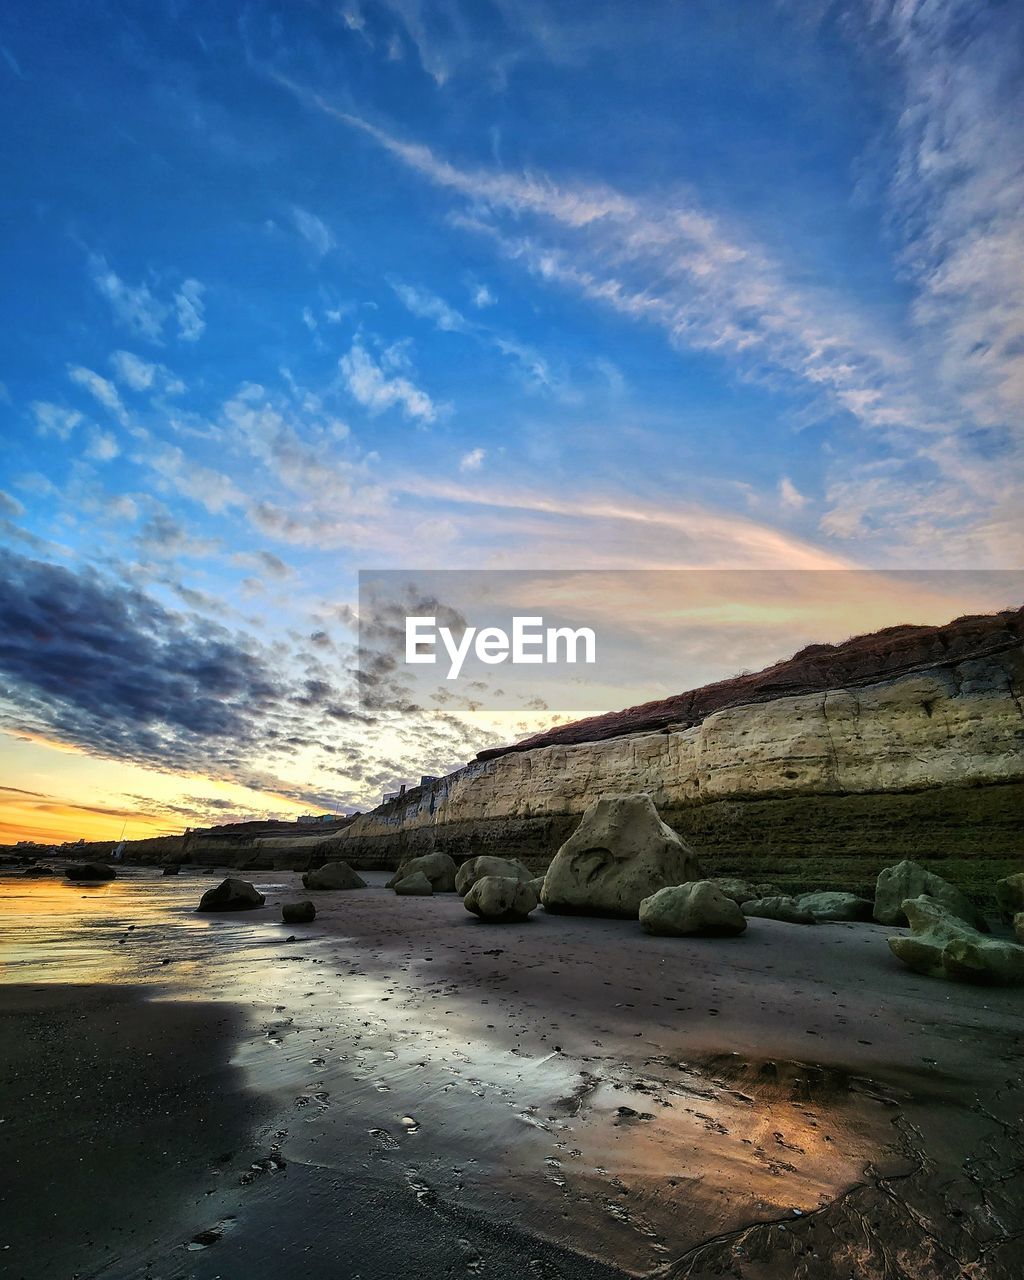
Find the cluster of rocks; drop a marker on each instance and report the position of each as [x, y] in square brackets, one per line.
[502, 890]
[234, 894]
[624, 860]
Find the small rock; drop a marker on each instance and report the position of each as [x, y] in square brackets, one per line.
[302, 912]
[90, 871]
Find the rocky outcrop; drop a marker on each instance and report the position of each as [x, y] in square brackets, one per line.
[781, 907]
[437, 867]
[910, 880]
[283, 848]
[335, 875]
[812, 789]
[476, 868]
[501, 899]
[620, 854]
[699, 908]
[231, 894]
[942, 945]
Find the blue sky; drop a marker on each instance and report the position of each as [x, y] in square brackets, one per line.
[294, 289]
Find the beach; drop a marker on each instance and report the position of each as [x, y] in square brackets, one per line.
[400, 1086]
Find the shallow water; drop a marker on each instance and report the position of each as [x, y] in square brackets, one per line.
[559, 1074]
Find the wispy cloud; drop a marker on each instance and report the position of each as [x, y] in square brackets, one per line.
[139, 310]
[190, 311]
[711, 287]
[54, 419]
[428, 306]
[133, 305]
[790, 497]
[678, 266]
[313, 230]
[602, 528]
[101, 389]
[958, 189]
[535, 370]
[378, 388]
[133, 371]
[103, 447]
[482, 297]
[214, 490]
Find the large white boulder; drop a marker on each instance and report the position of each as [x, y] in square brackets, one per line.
[620, 854]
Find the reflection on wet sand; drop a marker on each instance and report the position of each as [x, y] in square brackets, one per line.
[561, 1074]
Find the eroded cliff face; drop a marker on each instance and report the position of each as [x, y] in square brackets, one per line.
[929, 764]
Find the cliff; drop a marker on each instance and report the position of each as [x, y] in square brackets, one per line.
[822, 769]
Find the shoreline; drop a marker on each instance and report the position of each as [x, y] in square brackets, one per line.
[410, 1078]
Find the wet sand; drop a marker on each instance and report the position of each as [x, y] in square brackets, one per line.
[404, 1087]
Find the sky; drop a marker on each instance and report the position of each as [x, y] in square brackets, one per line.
[298, 289]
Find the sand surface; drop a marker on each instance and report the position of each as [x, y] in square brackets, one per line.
[402, 1089]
